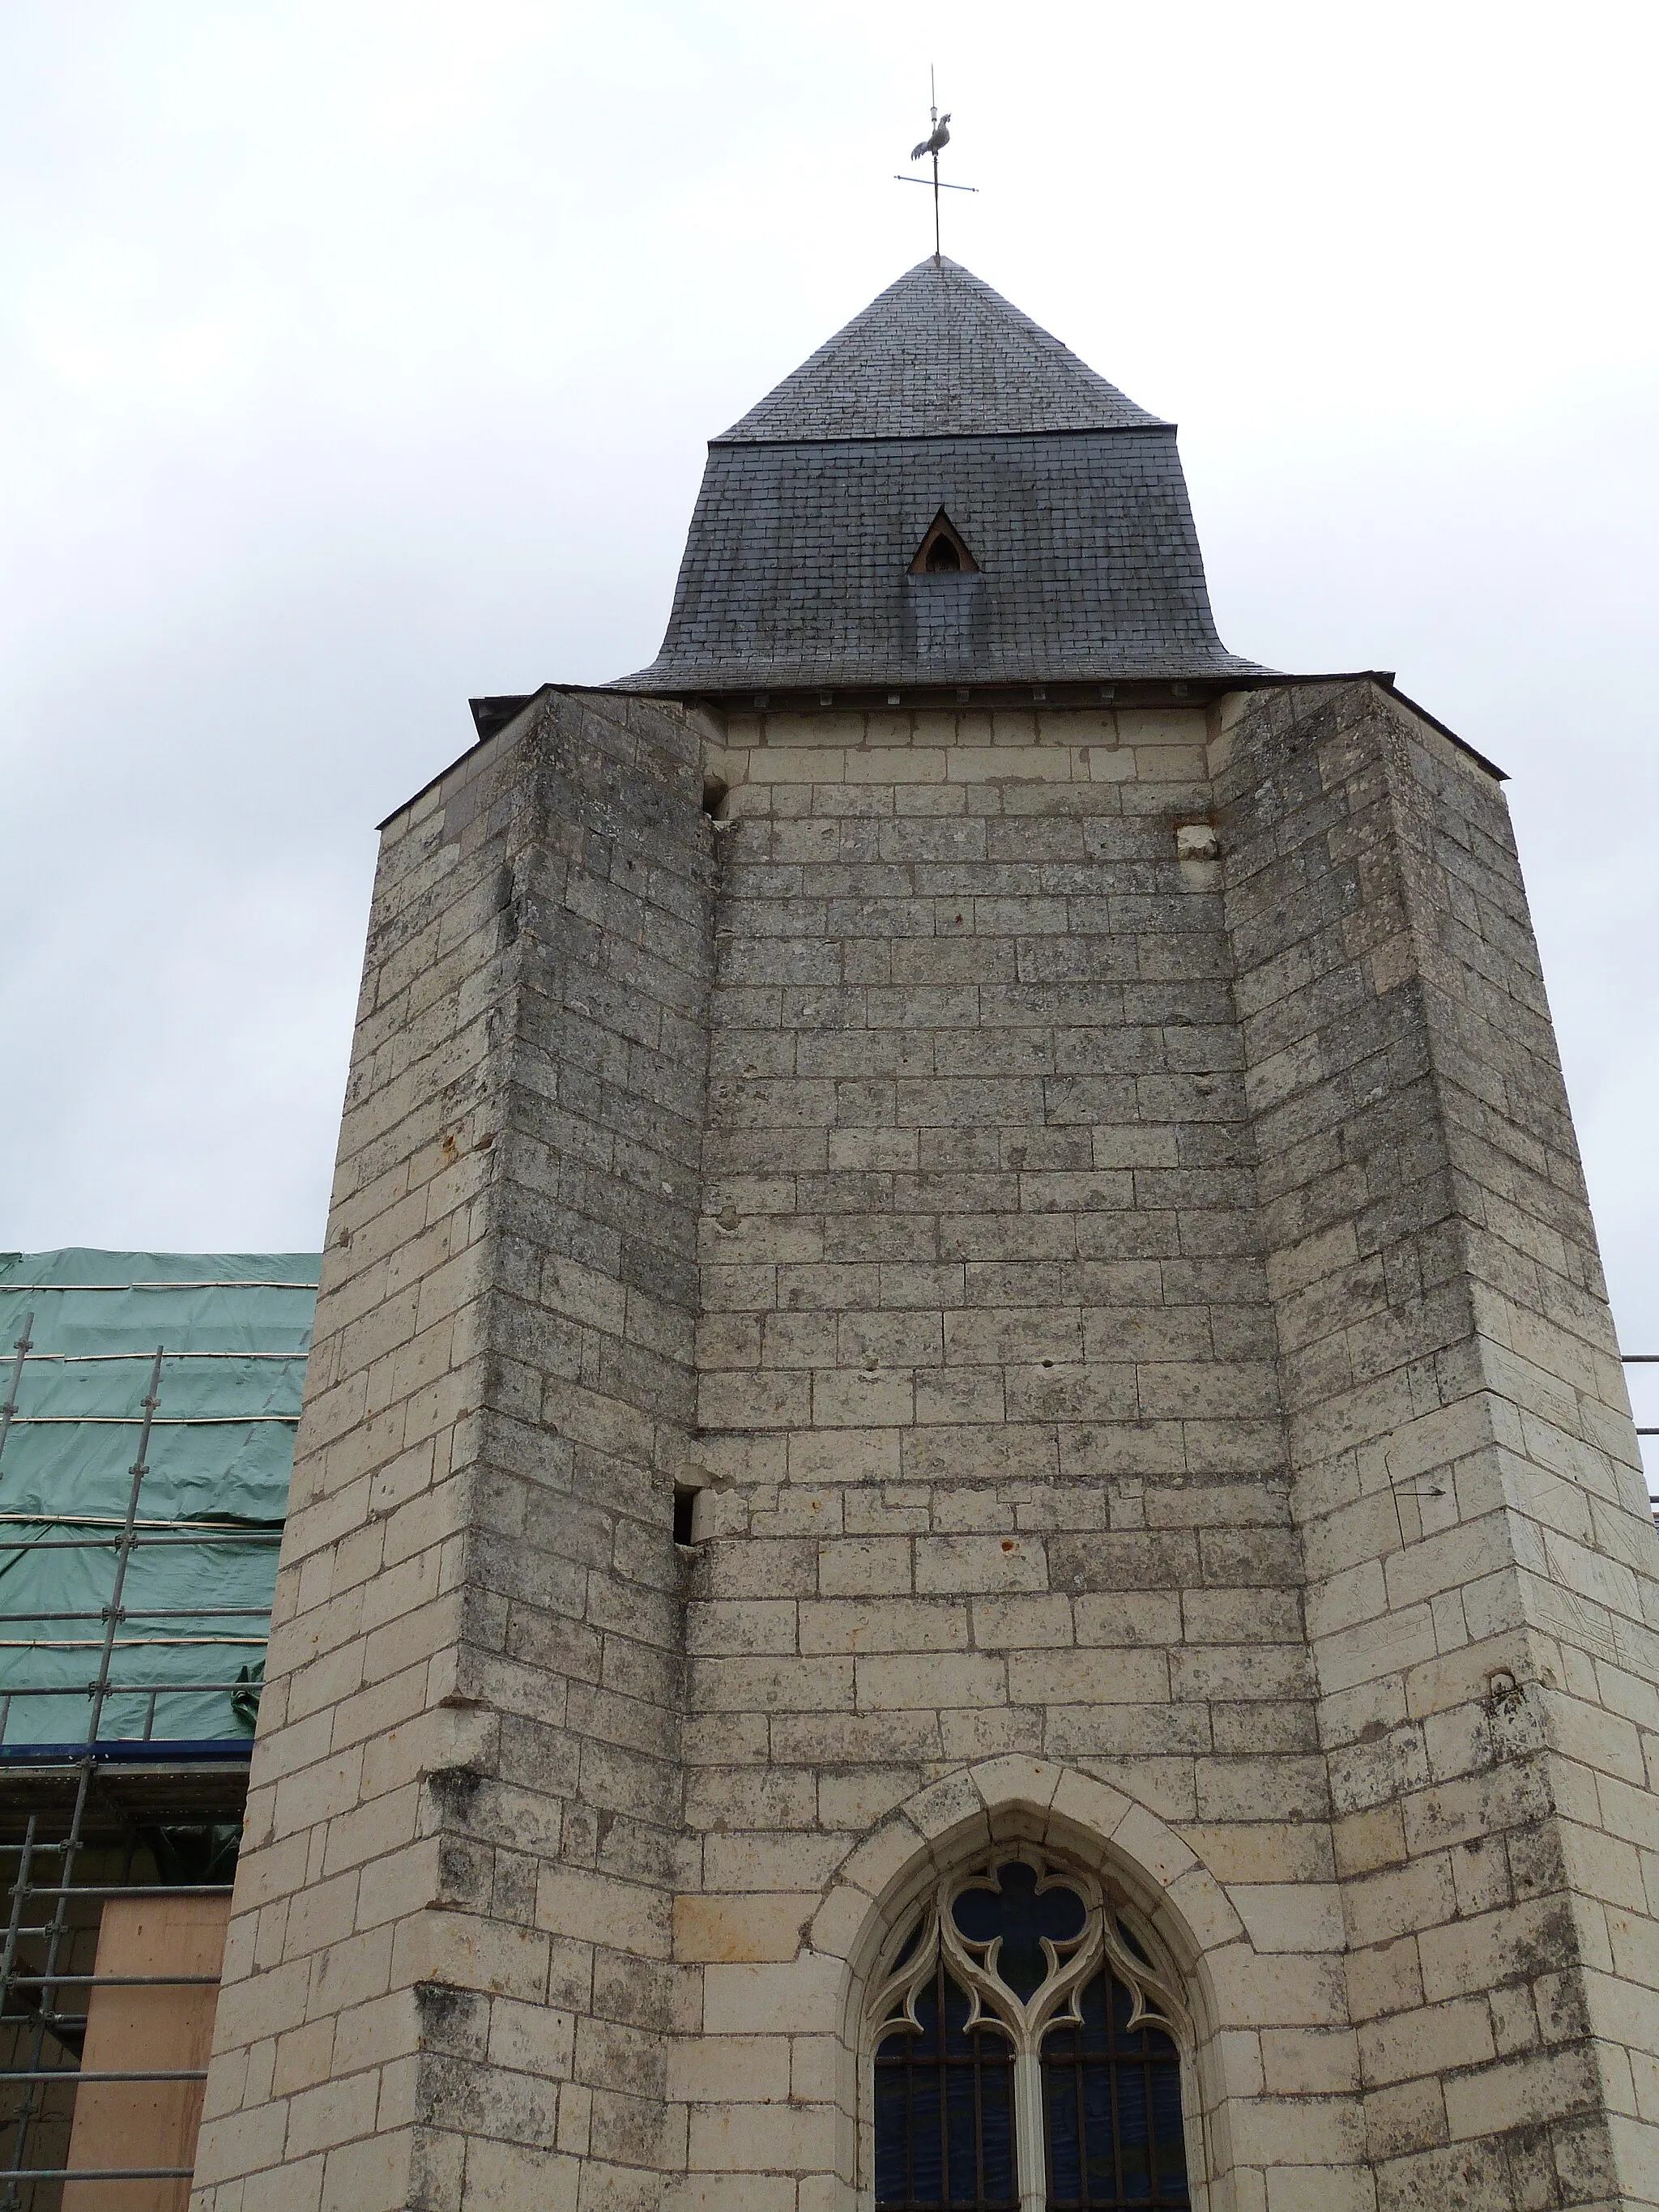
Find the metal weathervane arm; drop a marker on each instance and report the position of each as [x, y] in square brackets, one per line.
[933, 145]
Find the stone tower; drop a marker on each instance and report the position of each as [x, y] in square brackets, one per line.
[959, 1286]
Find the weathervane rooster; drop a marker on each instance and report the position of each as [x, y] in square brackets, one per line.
[936, 144]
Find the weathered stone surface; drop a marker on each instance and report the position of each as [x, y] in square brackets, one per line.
[464, 1832]
[1086, 1201]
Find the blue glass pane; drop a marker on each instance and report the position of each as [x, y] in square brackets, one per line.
[959, 2044]
[1112, 2107]
[1122, 2005]
[945, 2133]
[925, 2045]
[1065, 2136]
[1131, 1945]
[908, 1946]
[997, 2121]
[1168, 2133]
[926, 2144]
[1133, 2133]
[1022, 1917]
[892, 2137]
[1099, 2135]
[965, 2162]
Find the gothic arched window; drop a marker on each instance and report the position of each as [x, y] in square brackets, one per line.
[1025, 2052]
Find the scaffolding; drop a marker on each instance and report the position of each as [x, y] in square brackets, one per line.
[121, 1812]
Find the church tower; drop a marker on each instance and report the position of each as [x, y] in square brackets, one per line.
[966, 1530]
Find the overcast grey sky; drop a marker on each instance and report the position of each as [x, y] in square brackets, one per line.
[358, 356]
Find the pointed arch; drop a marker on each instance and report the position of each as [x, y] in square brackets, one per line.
[1006, 1798]
[1164, 1907]
[942, 550]
[1020, 2037]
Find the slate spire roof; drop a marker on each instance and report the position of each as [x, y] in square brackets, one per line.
[798, 569]
[938, 354]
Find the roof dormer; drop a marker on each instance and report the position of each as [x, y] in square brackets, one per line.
[943, 551]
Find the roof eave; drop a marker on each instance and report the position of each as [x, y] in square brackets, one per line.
[728, 438]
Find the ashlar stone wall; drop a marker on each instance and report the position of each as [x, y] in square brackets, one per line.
[1082, 1205]
[1049, 1169]
[1481, 1599]
[449, 1977]
[989, 1399]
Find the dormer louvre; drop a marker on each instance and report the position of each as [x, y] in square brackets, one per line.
[943, 551]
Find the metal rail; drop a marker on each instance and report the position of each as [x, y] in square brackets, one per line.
[101, 1543]
[212, 1283]
[1641, 1359]
[131, 1420]
[126, 1643]
[144, 1889]
[95, 2174]
[83, 2074]
[250, 1531]
[129, 1612]
[31, 2013]
[97, 1358]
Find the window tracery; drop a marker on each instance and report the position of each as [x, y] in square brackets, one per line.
[1024, 2040]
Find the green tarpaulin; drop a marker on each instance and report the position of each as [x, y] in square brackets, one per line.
[234, 1330]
